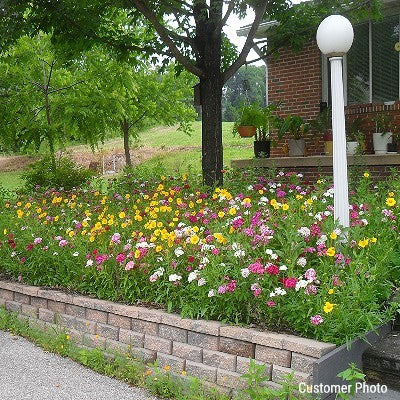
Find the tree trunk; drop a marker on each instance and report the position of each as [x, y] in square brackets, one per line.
[212, 151]
[125, 131]
[209, 43]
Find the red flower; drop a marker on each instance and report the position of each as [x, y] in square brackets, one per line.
[272, 269]
[289, 282]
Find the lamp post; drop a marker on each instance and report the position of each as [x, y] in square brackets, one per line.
[334, 37]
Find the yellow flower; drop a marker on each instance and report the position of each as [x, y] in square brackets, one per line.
[285, 207]
[333, 235]
[67, 337]
[167, 368]
[391, 194]
[121, 215]
[390, 201]
[232, 211]
[363, 243]
[184, 373]
[299, 196]
[328, 307]
[194, 239]
[366, 175]
[330, 252]
[373, 240]
[5, 231]
[330, 291]
[221, 214]
[20, 213]
[158, 249]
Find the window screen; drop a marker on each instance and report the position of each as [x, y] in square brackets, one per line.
[385, 60]
[358, 80]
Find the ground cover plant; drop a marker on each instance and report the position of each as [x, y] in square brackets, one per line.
[262, 250]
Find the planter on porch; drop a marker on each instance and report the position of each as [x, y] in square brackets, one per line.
[297, 147]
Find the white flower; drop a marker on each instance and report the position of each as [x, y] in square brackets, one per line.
[204, 261]
[201, 282]
[269, 252]
[245, 272]
[273, 256]
[364, 221]
[272, 294]
[283, 268]
[327, 213]
[264, 199]
[192, 276]
[235, 246]
[304, 231]
[179, 251]
[211, 293]
[337, 231]
[250, 187]
[89, 263]
[174, 278]
[76, 254]
[13, 254]
[239, 253]
[302, 261]
[55, 254]
[301, 284]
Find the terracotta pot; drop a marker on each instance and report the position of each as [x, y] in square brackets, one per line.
[246, 130]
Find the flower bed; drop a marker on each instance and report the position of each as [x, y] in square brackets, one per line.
[259, 251]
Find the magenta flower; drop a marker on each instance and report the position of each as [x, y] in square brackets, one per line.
[289, 282]
[256, 268]
[272, 269]
[37, 240]
[316, 319]
[63, 243]
[120, 258]
[271, 303]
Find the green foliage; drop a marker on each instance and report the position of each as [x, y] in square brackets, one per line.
[352, 375]
[295, 125]
[248, 84]
[257, 391]
[66, 174]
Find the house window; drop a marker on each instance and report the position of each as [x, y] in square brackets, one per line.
[372, 66]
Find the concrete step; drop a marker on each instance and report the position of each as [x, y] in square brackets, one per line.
[381, 362]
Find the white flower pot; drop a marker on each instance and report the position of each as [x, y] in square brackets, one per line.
[351, 148]
[381, 141]
[297, 147]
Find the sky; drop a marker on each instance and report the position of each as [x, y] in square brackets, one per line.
[235, 23]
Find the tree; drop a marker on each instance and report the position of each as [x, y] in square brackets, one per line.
[190, 31]
[117, 96]
[246, 86]
[34, 90]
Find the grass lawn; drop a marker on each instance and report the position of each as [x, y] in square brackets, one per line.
[10, 179]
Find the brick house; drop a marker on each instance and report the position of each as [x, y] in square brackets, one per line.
[300, 80]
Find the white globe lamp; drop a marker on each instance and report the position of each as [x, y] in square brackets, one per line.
[334, 38]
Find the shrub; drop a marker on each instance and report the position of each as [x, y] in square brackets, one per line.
[66, 174]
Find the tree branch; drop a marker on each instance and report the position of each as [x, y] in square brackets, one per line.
[259, 14]
[228, 13]
[65, 87]
[164, 35]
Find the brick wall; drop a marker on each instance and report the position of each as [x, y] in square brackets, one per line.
[215, 353]
[294, 80]
[368, 112]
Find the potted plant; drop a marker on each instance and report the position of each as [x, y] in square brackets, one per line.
[392, 147]
[262, 142]
[355, 136]
[322, 125]
[297, 127]
[383, 132]
[250, 116]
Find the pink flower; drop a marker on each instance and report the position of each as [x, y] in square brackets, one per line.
[120, 258]
[316, 319]
[63, 243]
[37, 240]
[29, 246]
[215, 251]
[257, 292]
[310, 274]
[289, 282]
[222, 289]
[256, 268]
[271, 303]
[310, 289]
[129, 265]
[116, 238]
[153, 278]
[19, 278]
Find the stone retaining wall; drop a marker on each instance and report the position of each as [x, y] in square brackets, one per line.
[209, 350]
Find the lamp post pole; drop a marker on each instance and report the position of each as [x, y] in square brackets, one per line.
[340, 180]
[334, 37]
